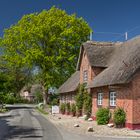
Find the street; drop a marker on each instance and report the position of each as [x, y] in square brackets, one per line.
[24, 123]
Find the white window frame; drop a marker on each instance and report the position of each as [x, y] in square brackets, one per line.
[100, 98]
[112, 98]
[85, 76]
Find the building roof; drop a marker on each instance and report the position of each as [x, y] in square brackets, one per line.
[122, 63]
[71, 84]
[98, 53]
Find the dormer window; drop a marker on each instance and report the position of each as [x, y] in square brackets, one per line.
[85, 76]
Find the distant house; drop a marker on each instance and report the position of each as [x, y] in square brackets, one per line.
[68, 89]
[26, 94]
[112, 74]
[29, 92]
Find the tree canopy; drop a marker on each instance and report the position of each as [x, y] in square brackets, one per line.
[49, 40]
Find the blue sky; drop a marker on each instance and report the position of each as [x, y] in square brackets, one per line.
[109, 19]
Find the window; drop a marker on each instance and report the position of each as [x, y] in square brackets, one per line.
[100, 99]
[112, 98]
[85, 76]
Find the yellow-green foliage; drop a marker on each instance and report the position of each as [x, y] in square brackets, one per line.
[50, 40]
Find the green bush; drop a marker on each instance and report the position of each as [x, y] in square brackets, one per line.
[3, 110]
[119, 116]
[68, 107]
[21, 100]
[54, 102]
[10, 99]
[79, 98]
[87, 104]
[38, 97]
[62, 108]
[73, 109]
[103, 116]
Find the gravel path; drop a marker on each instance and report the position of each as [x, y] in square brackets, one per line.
[67, 122]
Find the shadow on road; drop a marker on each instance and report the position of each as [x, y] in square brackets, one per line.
[10, 131]
[21, 132]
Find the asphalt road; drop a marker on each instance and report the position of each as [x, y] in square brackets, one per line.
[24, 123]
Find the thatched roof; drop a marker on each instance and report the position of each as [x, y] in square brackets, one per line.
[98, 53]
[122, 64]
[71, 84]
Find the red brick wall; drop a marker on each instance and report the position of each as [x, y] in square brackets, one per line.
[92, 71]
[128, 97]
[124, 100]
[85, 66]
[136, 97]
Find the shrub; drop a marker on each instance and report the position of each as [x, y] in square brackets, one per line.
[54, 102]
[21, 100]
[68, 107]
[73, 109]
[62, 107]
[119, 116]
[103, 116]
[79, 98]
[38, 97]
[87, 104]
[3, 110]
[10, 99]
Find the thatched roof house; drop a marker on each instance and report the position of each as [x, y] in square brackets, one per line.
[28, 92]
[119, 60]
[112, 73]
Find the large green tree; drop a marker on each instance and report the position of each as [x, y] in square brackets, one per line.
[49, 40]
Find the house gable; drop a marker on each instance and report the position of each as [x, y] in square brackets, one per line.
[93, 59]
[85, 67]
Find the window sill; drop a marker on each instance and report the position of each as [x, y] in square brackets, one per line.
[99, 106]
[112, 107]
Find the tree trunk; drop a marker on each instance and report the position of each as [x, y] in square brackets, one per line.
[44, 95]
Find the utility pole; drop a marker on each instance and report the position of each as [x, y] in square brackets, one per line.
[126, 35]
[91, 36]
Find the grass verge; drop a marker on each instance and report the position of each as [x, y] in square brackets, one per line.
[42, 111]
[3, 110]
